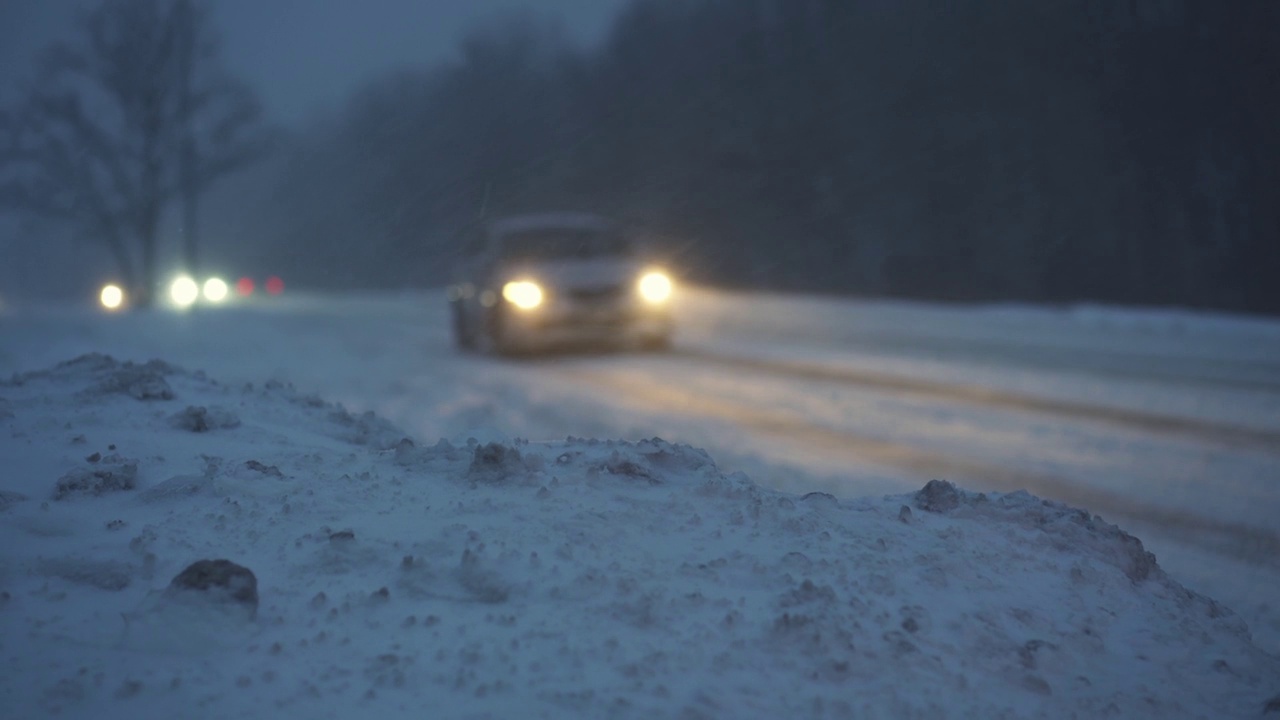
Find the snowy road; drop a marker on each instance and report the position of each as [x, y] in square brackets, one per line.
[1166, 423]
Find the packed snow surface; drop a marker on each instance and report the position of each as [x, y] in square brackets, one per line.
[397, 577]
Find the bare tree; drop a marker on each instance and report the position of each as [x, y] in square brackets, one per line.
[115, 128]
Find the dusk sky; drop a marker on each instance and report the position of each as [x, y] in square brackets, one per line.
[306, 55]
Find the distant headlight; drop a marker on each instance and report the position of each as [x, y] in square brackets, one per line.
[111, 297]
[183, 291]
[655, 287]
[215, 290]
[523, 294]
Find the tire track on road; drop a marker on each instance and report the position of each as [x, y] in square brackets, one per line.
[1254, 544]
[1235, 436]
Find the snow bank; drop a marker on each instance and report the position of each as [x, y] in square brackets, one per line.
[586, 578]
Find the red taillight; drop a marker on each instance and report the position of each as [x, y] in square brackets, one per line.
[244, 287]
[274, 285]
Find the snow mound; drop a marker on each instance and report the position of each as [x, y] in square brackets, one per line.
[108, 376]
[110, 474]
[583, 578]
[1061, 527]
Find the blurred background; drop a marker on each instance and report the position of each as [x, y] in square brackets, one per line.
[1059, 151]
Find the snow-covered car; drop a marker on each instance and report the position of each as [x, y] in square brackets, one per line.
[553, 280]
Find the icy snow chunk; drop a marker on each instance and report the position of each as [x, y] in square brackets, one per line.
[219, 581]
[408, 454]
[480, 582]
[821, 499]
[619, 465]
[198, 419]
[648, 462]
[264, 469]
[938, 496]
[141, 382]
[113, 473]
[366, 429]
[670, 457]
[250, 471]
[495, 462]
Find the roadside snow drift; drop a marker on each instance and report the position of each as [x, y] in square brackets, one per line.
[392, 578]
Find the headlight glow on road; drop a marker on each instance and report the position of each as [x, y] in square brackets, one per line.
[111, 297]
[215, 290]
[655, 287]
[523, 294]
[183, 291]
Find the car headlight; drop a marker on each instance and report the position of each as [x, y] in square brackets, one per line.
[184, 291]
[215, 290]
[111, 297]
[655, 287]
[523, 294]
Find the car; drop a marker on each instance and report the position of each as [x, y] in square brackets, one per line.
[539, 282]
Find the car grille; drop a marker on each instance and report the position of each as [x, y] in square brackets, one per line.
[596, 295]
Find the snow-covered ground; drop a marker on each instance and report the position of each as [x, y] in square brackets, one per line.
[619, 576]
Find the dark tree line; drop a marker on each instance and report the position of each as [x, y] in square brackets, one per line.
[132, 117]
[1060, 150]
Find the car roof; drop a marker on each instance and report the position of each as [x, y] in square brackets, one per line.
[549, 221]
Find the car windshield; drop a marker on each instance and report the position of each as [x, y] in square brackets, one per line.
[562, 243]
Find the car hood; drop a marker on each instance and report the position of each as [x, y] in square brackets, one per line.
[578, 274]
